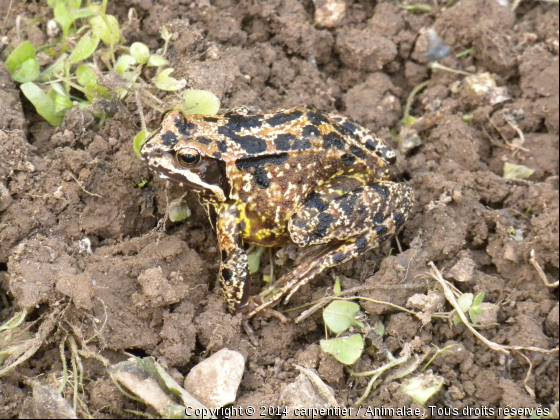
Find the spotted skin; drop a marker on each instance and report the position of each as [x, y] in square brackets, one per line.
[319, 180]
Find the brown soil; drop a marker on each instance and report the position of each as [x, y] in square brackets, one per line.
[150, 289]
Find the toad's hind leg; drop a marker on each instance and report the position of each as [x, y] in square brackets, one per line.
[342, 228]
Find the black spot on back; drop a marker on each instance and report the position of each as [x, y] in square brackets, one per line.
[361, 244]
[356, 151]
[339, 257]
[280, 119]
[382, 191]
[238, 123]
[203, 140]
[381, 231]
[250, 144]
[325, 221]
[399, 218]
[283, 141]
[289, 141]
[378, 218]
[349, 126]
[222, 147]
[316, 118]
[217, 155]
[211, 119]
[333, 139]
[183, 126]
[224, 255]
[372, 145]
[314, 201]
[347, 159]
[348, 202]
[310, 131]
[256, 166]
[301, 144]
[169, 139]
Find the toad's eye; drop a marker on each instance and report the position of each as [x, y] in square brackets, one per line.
[188, 157]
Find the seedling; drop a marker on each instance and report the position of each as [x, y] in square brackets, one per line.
[76, 79]
[339, 316]
[407, 119]
[465, 53]
[469, 304]
[337, 288]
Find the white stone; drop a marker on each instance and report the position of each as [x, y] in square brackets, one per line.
[214, 381]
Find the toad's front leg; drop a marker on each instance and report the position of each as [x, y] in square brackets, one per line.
[234, 272]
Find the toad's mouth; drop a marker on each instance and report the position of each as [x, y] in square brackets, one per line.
[178, 178]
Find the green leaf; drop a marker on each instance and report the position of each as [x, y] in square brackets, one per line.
[422, 387]
[82, 13]
[201, 102]
[379, 329]
[339, 315]
[57, 87]
[156, 61]
[107, 27]
[86, 47]
[465, 301]
[62, 103]
[478, 299]
[139, 140]
[166, 82]
[43, 103]
[165, 34]
[140, 52]
[22, 64]
[346, 350]
[408, 121]
[468, 118]
[337, 289]
[62, 14]
[254, 260]
[74, 4]
[123, 64]
[85, 75]
[27, 72]
[456, 319]
[20, 55]
[512, 171]
[178, 211]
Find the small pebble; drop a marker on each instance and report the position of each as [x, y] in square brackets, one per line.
[214, 381]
